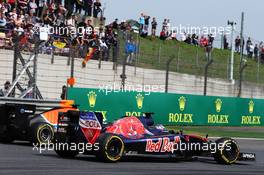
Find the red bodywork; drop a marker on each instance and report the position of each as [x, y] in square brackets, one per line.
[127, 127]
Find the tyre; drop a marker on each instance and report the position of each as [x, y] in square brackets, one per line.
[227, 152]
[42, 133]
[111, 148]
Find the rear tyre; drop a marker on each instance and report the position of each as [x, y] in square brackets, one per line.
[43, 133]
[228, 152]
[111, 148]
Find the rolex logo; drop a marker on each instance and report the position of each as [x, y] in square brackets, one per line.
[182, 102]
[251, 107]
[218, 105]
[140, 100]
[92, 98]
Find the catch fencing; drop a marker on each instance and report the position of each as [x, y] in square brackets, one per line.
[176, 66]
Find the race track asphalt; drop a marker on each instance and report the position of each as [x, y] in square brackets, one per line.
[19, 158]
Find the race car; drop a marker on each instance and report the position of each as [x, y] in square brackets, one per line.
[136, 136]
[26, 122]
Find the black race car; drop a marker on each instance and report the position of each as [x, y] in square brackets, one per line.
[130, 136]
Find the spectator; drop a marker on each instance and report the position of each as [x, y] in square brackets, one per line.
[225, 42]
[173, 35]
[64, 92]
[188, 40]
[7, 86]
[13, 15]
[115, 24]
[144, 32]
[204, 41]
[163, 35]
[78, 6]
[183, 36]
[256, 51]
[104, 48]
[31, 18]
[260, 47]
[97, 8]
[167, 27]
[23, 5]
[59, 21]
[19, 30]
[42, 4]
[2, 22]
[250, 49]
[141, 23]
[261, 44]
[47, 19]
[164, 25]
[237, 44]
[248, 45]
[147, 18]
[1, 93]
[12, 3]
[130, 51]
[211, 40]
[88, 4]
[69, 5]
[71, 22]
[262, 55]
[33, 6]
[154, 27]
[195, 40]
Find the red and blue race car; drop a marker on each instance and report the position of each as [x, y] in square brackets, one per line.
[136, 136]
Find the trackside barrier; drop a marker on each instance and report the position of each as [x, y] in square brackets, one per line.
[172, 109]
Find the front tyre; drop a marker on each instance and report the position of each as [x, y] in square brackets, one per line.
[227, 151]
[111, 148]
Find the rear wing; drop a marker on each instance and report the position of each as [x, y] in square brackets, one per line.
[41, 105]
[37, 102]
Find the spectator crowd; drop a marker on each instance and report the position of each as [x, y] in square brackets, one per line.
[252, 50]
[23, 20]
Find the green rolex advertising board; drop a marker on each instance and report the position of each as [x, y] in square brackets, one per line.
[171, 109]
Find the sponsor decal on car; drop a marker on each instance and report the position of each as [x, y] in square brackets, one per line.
[162, 145]
[90, 126]
[248, 156]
